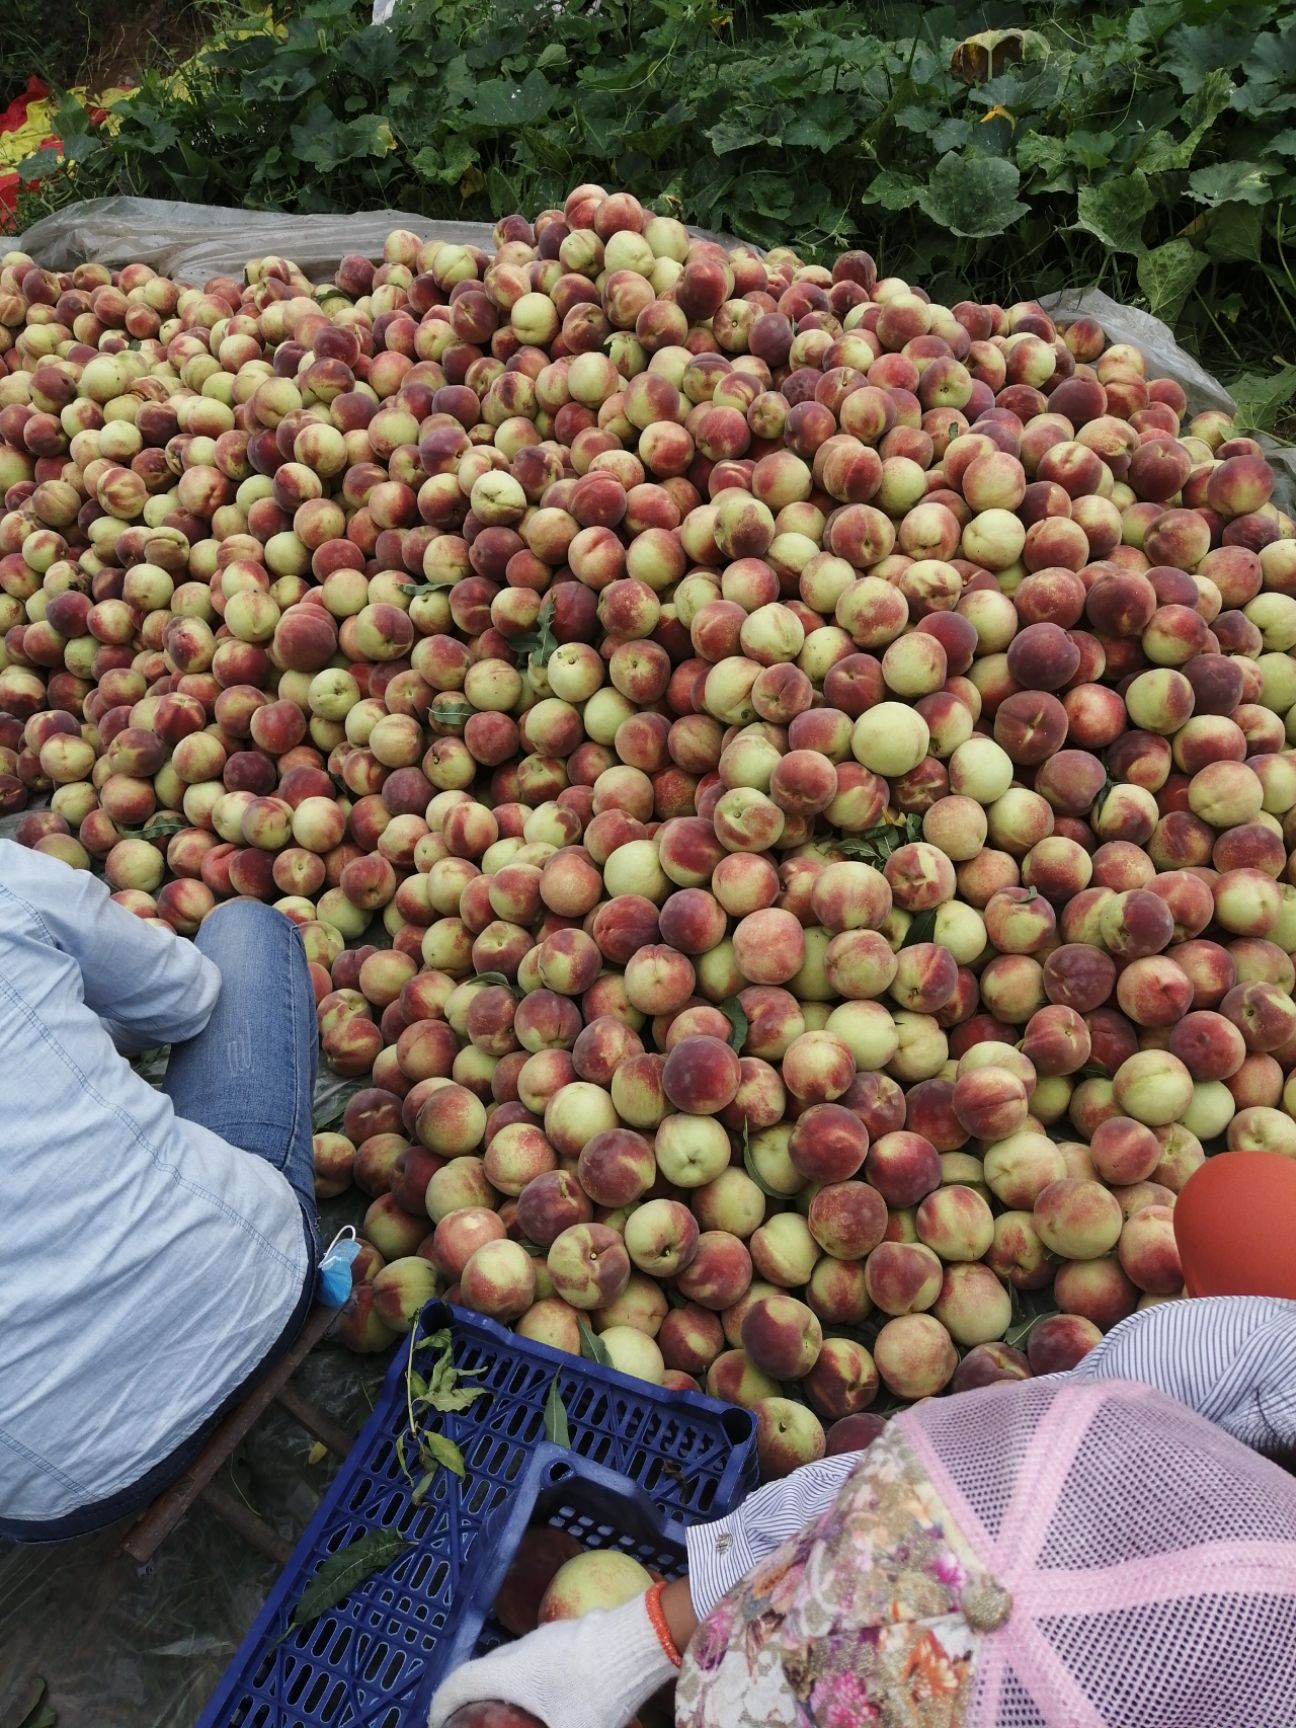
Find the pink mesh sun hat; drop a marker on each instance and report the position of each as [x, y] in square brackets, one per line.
[1138, 1565]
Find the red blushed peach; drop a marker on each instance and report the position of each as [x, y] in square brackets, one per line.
[544, 1020]
[850, 896]
[1263, 1013]
[828, 1143]
[926, 977]
[1077, 1219]
[1124, 1152]
[1148, 1254]
[693, 921]
[803, 783]
[1097, 1290]
[1154, 991]
[1079, 976]
[915, 1356]
[843, 1382]
[1057, 1040]
[989, 1365]
[690, 1339]
[817, 1068]
[1059, 1341]
[761, 1098]
[602, 1046]
[623, 925]
[902, 1277]
[701, 1075]
[782, 1337]
[769, 946]
[568, 962]
[903, 1167]
[719, 1273]
[616, 1167]
[847, 1219]
[1030, 726]
[658, 980]
[551, 1203]
[1210, 1044]
[990, 1103]
[516, 1155]
[1016, 1253]
[1136, 924]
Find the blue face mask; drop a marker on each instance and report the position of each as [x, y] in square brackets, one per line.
[333, 1278]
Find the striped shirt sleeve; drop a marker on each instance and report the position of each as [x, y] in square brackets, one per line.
[1230, 1358]
[720, 1555]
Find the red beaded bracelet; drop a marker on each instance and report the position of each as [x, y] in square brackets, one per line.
[658, 1617]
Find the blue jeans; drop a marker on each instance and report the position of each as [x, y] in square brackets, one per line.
[248, 1076]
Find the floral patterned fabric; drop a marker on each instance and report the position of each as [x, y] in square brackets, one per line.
[870, 1614]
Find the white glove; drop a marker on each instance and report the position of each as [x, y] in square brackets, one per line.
[594, 1672]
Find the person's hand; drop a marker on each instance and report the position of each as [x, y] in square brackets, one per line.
[594, 1672]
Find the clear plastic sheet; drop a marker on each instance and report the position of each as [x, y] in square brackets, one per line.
[193, 242]
[125, 1649]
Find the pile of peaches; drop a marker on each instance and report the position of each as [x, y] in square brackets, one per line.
[786, 787]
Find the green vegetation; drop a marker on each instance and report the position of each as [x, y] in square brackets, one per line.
[1150, 149]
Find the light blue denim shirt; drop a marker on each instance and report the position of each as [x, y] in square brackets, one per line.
[146, 1266]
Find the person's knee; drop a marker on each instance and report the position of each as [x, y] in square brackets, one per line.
[242, 921]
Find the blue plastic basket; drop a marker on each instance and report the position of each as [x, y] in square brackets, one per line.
[373, 1661]
[597, 1507]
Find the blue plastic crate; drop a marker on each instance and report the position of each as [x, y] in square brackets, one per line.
[597, 1507]
[372, 1661]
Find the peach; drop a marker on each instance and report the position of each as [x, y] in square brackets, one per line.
[973, 1305]
[989, 1365]
[847, 1219]
[1077, 1218]
[1147, 1251]
[787, 1436]
[769, 946]
[588, 1265]
[843, 1381]
[1016, 1254]
[902, 1277]
[956, 1223]
[990, 1103]
[460, 1182]
[1097, 1290]
[719, 1273]
[690, 1339]
[782, 1337]
[701, 1075]
[459, 1235]
[915, 1356]
[1124, 1152]
[783, 1251]
[1154, 1087]
[1017, 1170]
[903, 1167]
[661, 1237]
[828, 1143]
[1059, 1341]
[616, 1167]
[549, 1204]
[401, 1289]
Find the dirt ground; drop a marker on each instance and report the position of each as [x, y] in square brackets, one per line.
[97, 43]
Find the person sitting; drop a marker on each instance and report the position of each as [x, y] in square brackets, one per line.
[160, 1246]
[1109, 1547]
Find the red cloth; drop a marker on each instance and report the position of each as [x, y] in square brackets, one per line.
[15, 115]
[1235, 1226]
